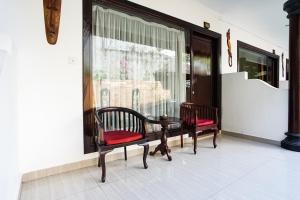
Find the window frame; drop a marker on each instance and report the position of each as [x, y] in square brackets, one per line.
[148, 15]
[254, 49]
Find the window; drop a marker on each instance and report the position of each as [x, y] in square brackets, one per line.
[258, 63]
[137, 64]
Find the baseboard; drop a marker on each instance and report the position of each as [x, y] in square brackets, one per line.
[34, 175]
[253, 138]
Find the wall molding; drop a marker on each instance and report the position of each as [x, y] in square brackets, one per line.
[252, 138]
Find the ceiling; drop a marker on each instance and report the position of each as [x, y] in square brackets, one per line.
[260, 17]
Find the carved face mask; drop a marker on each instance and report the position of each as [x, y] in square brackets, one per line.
[52, 19]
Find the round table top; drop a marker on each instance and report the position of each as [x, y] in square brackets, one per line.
[157, 119]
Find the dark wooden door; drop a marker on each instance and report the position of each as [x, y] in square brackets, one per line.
[202, 70]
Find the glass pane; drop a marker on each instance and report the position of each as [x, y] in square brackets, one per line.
[187, 65]
[133, 75]
[257, 65]
[137, 64]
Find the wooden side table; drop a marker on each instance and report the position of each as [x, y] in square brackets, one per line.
[164, 121]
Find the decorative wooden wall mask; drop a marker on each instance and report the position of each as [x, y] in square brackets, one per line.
[52, 18]
[229, 48]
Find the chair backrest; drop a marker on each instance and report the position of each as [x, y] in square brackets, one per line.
[189, 112]
[119, 118]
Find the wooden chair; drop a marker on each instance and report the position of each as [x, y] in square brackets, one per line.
[119, 127]
[198, 119]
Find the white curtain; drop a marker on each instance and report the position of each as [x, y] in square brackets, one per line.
[137, 64]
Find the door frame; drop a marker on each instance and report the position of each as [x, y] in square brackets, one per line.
[216, 71]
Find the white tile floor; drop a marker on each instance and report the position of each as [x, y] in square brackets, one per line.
[237, 169]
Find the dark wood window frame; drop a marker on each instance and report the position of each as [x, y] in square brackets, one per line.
[287, 69]
[148, 15]
[249, 47]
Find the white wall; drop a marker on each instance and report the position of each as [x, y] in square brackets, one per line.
[266, 16]
[253, 107]
[10, 177]
[50, 106]
[50, 89]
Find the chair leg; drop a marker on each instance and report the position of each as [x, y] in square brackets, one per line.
[102, 160]
[195, 142]
[181, 138]
[99, 161]
[125, 153]
[146, 150]
[215, 137]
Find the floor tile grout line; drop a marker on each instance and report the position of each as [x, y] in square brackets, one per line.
[76, 193]
[87, 189]
[246, 167]
[240, 178]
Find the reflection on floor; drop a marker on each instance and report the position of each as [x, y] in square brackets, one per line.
[237, 169]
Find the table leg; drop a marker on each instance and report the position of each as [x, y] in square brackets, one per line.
[163, 146]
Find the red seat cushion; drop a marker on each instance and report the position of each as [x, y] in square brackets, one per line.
[204, 122]
[119, 137]
[200, 122]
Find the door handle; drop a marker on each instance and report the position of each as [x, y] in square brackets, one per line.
[193, 92]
